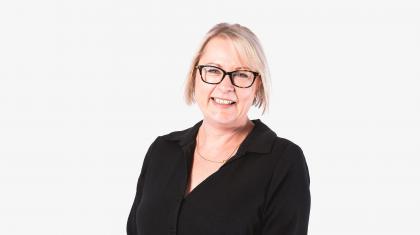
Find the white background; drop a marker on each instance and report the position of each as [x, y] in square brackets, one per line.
[86, 86]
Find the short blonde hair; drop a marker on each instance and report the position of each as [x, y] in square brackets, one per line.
[248, 46]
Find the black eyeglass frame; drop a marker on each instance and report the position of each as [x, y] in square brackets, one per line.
[200, 67]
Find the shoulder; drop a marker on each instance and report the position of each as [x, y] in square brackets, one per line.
[290, 160]
[289, 173]
[174, 139]
[288, 153]
[174, 135]
[183, 136]
[283, 145]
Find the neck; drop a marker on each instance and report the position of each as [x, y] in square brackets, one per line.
[216, 135]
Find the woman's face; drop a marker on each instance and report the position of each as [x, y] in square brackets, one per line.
[220, 52]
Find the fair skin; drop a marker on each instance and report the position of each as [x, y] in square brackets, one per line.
[224, 127]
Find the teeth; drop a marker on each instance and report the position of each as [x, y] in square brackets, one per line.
[221, 101]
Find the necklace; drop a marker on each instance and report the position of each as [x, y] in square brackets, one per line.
[223, 161]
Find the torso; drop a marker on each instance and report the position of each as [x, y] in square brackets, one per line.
[200, 170]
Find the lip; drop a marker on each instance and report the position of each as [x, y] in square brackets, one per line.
[226, 106]
[222, 98]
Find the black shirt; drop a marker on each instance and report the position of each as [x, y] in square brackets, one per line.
[262, 189]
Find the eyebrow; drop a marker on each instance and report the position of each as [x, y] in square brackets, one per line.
[236, 68]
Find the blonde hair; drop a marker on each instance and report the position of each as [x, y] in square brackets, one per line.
[248, 46]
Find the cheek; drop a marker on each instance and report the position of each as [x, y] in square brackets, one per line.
[246, 97]
[201, 91]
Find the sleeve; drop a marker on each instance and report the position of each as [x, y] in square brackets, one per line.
[288, 201]
[131, 222]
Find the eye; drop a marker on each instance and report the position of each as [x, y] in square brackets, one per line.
[213, 71]
[242, 74]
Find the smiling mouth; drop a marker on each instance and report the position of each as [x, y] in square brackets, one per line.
[222, 101]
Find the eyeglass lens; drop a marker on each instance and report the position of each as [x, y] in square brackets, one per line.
[240, 78]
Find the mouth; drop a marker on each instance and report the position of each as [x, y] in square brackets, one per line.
[223, 101]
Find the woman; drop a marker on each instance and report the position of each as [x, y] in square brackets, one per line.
[227, 174]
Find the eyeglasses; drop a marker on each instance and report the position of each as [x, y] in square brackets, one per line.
[214, 75]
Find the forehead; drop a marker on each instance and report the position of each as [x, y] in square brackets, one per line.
[223, 52]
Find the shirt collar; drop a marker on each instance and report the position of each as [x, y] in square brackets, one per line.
[259, 140]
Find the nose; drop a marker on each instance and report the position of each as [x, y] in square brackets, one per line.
[226, 84]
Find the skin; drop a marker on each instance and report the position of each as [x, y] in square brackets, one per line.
[223, 129]
[221, 52]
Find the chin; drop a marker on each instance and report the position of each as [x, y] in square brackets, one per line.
[222, 119]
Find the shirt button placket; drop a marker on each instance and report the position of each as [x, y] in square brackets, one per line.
[174, 218]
